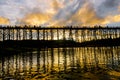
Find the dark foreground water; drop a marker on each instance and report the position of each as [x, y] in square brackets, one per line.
[84, 63]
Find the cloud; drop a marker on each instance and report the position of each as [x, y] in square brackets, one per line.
[108, 7]
[115, 18]
[35, 19]
[110, 3]
[62, 17]
[4, 21]
[15, 10]
[55, 5]
[60, 12]
[69, 10]
[113, 24]
[86, 16]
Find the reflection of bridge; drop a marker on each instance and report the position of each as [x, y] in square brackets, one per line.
[64, 33]
[34, 64]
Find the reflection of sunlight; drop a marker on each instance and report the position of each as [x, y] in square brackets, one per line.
[114, 73]
[61, 59]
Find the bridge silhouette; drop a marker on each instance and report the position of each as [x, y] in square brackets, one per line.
[79, 34]
[76, 34]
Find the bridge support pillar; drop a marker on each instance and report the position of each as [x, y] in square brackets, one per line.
[30, 34]
[76, 36]
[4, 34]
[37, 34]
[64, 34]
[70, 35]
[43, 34]
[51, 32]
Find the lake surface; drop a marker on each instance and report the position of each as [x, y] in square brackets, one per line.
[83, 63]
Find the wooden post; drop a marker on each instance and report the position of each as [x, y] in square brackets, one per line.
[3, 34]
[23, 30]
[51, 34]
[43, 34]
[25, 34]
[76, 36]
[70, 34]
[13, 33]
[47, 34]
[9, 34]
[82, 35]
[94, 34]
[57, 35]
[37, 34]
[64, 34]
[107, 32]
[119, 33]
[17, 34]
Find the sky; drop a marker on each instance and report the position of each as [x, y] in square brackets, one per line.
[60, 12]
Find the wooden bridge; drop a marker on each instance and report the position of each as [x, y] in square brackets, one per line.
[78, 34]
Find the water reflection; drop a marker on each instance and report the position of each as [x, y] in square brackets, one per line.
[52, 60]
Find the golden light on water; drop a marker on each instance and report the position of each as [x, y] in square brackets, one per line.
[39, 64]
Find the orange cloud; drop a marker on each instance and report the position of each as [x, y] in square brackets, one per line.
[114, 18]
[86, 16]
[4, 21]
[55, 5]
[36, 19]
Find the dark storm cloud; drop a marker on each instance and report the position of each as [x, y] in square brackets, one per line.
[108, 7]
[111, 3]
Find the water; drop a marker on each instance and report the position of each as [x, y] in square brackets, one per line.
[62, 63]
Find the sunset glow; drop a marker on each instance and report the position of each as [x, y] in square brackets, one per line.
[60, 12]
